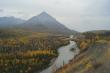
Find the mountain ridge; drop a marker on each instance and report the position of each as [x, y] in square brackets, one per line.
[39, 23]
[10, 21]
[45, 22]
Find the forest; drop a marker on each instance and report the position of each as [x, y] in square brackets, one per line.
[27, 52]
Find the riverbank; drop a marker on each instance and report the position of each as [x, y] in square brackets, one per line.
[94, 56]
[65, 55]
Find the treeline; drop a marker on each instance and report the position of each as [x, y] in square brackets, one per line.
[90, 38]
[24, 44]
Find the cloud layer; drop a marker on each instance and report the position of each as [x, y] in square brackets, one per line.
[81, 15]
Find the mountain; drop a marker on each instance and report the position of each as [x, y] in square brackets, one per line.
[46, 23]
[10, 21]
[40, 23]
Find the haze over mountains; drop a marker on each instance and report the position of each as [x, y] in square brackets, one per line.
[10, 21]
[41, 23]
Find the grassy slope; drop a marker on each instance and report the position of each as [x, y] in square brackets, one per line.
[93, 58]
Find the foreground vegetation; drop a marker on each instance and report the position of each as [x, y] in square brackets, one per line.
[27, 52]
[94, 56]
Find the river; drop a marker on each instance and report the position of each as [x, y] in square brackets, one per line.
[65, 55]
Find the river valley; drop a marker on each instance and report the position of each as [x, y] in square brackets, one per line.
[65, 55]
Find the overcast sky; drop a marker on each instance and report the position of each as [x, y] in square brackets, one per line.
[80, 15]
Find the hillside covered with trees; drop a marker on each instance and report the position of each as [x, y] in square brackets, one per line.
[27, 52]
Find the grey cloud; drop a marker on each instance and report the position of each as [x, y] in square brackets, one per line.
[1, 10]
[80, 15]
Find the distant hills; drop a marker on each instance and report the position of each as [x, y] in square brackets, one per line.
[10, 21]
[40, 23]
[99, 32]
